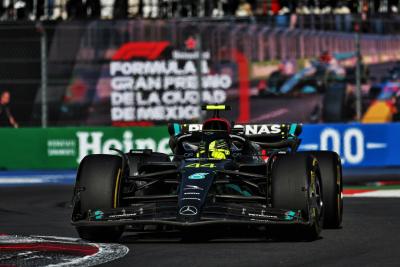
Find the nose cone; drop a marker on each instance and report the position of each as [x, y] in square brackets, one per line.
[194, 187]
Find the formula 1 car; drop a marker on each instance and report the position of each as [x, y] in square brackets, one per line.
[220, 174]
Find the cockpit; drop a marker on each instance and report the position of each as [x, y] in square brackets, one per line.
[214, 140]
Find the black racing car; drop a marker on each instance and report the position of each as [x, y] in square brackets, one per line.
[219, 174]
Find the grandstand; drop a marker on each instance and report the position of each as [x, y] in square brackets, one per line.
[119, 9]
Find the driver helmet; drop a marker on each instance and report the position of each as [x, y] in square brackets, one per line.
[217, 149]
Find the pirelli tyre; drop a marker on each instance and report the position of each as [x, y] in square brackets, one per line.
[98, 182]
[296, 185]
[331, 175]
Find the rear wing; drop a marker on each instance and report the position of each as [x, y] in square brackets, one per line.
[253, 132]
[267, 136]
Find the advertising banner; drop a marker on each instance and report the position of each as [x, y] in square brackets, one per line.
[139, 72]
[148, 72]
[144, 81]
[152, 81]
[63, 148]
[359, 145]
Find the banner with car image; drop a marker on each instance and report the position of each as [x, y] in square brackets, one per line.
[126, 73]
[145, 72]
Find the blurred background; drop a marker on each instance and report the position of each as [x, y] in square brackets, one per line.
[83, 76]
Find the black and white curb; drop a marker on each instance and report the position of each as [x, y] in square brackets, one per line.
[56, 251]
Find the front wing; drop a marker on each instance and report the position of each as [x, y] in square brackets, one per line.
[169, 214]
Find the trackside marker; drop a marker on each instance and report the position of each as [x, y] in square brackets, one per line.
[356, 191]
[395, 193]
[13, 178]
[56, 251]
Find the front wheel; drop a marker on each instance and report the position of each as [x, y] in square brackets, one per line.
[99, 179]
[296, 185]
[331, 176]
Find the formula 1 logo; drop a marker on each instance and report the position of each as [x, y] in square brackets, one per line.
[148, 50]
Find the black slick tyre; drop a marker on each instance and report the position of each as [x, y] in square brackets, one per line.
[331, 175]
[99, 177]
[296, 185]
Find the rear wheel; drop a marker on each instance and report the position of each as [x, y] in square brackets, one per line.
[99, 179]
[296, 185]
[331, 176]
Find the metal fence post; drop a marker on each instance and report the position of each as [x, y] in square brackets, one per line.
[199, 73]
[43, 73]
[358, 66]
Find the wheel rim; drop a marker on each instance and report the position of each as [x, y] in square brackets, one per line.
[316, 196]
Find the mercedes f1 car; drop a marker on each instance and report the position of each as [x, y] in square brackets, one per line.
[220, 173]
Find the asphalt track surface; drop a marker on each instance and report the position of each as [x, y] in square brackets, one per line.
[370, 235]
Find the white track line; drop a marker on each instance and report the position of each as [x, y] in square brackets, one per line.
[22, 180]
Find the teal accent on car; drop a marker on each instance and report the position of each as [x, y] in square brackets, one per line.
[292, 130]
[239, 190]
[198, 176]
[98, 214]
[308, 89]
[177, 129]
[290, 215]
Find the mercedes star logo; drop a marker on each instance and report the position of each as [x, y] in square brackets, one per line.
[188, 210]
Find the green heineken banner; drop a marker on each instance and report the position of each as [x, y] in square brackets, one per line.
[63, 148]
